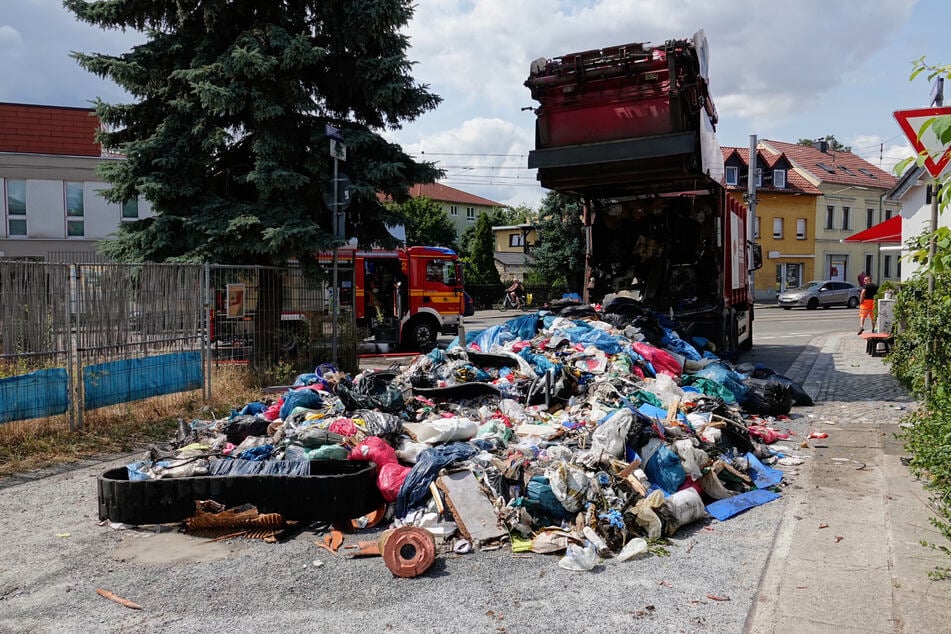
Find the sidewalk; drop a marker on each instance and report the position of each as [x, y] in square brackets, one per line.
[846, 557]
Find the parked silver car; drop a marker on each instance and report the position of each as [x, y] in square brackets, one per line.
[823, 293]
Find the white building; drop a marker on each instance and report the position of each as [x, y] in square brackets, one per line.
[52, 208]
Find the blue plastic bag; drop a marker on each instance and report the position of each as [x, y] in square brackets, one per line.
[665, 470]
[305, 397]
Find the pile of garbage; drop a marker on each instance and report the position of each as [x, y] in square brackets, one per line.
[579, 430]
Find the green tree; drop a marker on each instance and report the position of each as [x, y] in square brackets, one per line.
[427, 224]
[225, 134]
[834, 143]
[559, 255]
[478, 250]
[921, 356]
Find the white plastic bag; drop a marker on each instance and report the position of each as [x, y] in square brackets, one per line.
[633, 548]
[569, 484]
[579, 559]
[612, 433]
[685, 507]
[446, 430]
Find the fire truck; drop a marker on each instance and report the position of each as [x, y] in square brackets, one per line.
[403, 297]
[631, 130]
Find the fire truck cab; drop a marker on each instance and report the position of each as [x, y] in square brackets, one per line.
[407, 297]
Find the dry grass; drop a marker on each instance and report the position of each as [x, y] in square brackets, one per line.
[29, 445]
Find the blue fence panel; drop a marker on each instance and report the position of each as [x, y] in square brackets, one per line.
[134, 379]
[34, 395]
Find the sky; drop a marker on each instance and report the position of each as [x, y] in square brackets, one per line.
[778, 70]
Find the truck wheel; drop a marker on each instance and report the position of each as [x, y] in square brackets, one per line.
[813, 304]
[748, 342]
[420, 334]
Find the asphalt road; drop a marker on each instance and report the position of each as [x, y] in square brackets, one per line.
[55, 555]
[778, 335]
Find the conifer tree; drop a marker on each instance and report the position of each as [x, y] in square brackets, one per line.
[225, 132]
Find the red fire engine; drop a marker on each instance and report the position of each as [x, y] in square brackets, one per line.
[404, 297]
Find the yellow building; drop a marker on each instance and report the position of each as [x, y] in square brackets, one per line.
[785, 218]
[513, 250]
[853, 197]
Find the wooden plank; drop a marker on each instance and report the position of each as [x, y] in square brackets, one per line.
[474, 514]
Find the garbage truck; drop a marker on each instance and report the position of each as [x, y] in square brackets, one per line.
[631, 130]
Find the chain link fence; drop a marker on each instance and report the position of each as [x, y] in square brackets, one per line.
[78, 337]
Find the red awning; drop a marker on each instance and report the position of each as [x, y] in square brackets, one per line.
[888, 231]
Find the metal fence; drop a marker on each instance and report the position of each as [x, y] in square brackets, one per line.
[78, 337]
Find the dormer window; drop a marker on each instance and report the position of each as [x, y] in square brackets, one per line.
[732, 176]
[779, 179]
[827, 168]
[759, 177]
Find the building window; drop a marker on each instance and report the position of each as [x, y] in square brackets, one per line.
[777, 228]
[888, 214]
[75, 226]
[516, 240]
[846, 223]
[756, 227]
[759, 177]
[869, 217]
[779, 179]
[130, 209]
[16, 208]
[868, 264]
[732, 175]
[830, 217]
[453, 210]
[887, 266]
[470, 214]
[800, 228]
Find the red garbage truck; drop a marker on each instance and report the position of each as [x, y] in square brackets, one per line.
[631, 129]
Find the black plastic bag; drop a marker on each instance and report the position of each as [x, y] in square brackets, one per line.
[240, 427]
[371, 392]
[767, 398]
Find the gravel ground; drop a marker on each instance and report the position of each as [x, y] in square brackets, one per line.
[54, 555]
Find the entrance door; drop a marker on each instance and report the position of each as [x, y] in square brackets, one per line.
[788, 275]
[836, 268]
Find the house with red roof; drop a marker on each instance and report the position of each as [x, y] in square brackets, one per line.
[785, 218]
[808, 201]
[51, 207]
[461, 207]
[853, 197]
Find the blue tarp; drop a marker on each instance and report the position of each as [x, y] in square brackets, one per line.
[725, 509]
[134, 379]
[763, 476]
[34, 395]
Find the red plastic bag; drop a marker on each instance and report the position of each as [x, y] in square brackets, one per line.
[343, 426]
[661, 360]
[274, 411]
[389, 480]
[375, 449]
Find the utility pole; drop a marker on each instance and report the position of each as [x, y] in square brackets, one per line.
[337, 207]
[751, 214]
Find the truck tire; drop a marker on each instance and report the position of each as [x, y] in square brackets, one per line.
[420, 334]
[729, 336]
[747, 343]
[335, 490]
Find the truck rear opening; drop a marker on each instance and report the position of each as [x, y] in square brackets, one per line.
[624, 119]
[631, 130]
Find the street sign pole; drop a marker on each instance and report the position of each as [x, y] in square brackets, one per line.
[935, 155]
[335, 309]
[338, 225]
